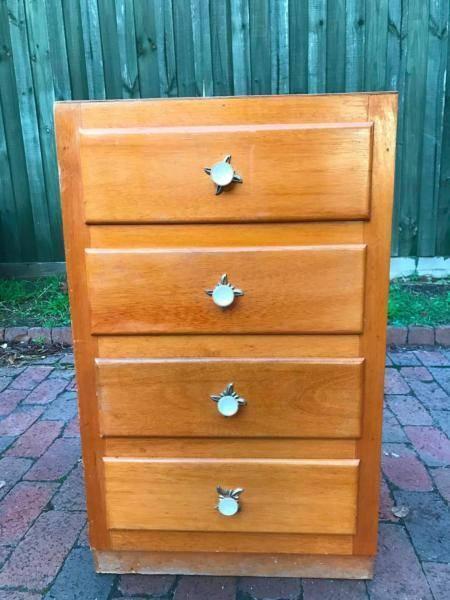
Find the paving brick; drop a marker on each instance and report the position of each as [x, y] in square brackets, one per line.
[396, 336]
[9, 399]
[41, 335]
[431, 395]
[31, 377]
[35, 441]
[62, 335]
[442, 480]
[4, 382]
[71, 496]
[333, 589]
[18, 421]
[16, 334]
[78, 580]
[402, 467]
[72, 428]
[6, 441]
[21, 507]
[83, 539]
[11, 471]
[388, 361]
[394, 383]
[57, 461]
[62, 374]
[416, 373]
[443, 335]
[39, 556]
[442, 376]
[438, 576]
[5, 551]
[270, 588]
[386, 503]
[405, 358]
[420, 335]
[431, 444]
[398, 574]
[205, 588]
[67, 359]
[408, 410]
[46, 391]
[48, 360]
[442, 419]
[11, 371]
[392, 432]
[72, 387]
[10, 595]
[432, 358]
[64, 408]
[151, 585]
[428, 524]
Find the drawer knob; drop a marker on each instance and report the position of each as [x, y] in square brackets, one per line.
[224, 293]
[222, 174]
[228, 401]
[228, 504]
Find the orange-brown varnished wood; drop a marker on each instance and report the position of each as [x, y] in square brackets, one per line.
[198, 235]
[377, 233]
[284, 398]
[256, 346]
[215, 563]
[288, 496]
[229, 541]
[290, 172]
[76, 238]
[228, 447]
[305, 289]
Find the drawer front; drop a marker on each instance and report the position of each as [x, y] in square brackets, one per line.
[283, 398]
[294, 496]
[311, 289]
[289, 172]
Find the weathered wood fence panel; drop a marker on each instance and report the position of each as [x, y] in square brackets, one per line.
[79, 49]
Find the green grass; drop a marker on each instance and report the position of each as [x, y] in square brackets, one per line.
[419, 303]
[43, 302]
[39, 302]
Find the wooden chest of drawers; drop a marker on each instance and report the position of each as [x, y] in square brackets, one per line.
[235, 431]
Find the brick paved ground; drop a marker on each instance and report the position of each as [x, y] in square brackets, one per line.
[43, 545]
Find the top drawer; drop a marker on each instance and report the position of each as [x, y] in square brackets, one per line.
[290, 172]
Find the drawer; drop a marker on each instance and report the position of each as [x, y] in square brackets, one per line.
[291, 496]
[283, 398]
[289, 171]
[305, 289]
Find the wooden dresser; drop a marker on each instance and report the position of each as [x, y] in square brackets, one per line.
[228, 266]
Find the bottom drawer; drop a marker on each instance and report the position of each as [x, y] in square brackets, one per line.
[280, 496]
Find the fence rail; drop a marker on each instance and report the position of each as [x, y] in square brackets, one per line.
[79, 49]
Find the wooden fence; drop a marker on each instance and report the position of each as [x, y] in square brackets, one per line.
[62, 49]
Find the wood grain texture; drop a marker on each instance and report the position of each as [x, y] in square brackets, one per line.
[290, 172]
[268, 565]
[290, 496]
[316, 289]
[285, 398]
[383, 111]
[256, 346]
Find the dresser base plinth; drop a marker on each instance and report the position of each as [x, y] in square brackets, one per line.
[260, 565]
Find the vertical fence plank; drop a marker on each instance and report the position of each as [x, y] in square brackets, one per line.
[298, 46]
[201, 37]
[376, 44]
[240, 22]
[260, 30]
[75, 49]
[30, 130]
[220, 19]
[317, 46]
[413, 113]
[184, 49]
[14, 143]
[336, 46]
[93, 57]
[110, 48]
[41, 68]
[279, 19]
[355, 31]
[165, 42]
[58, 50]
[147, 57]
[126, 37]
